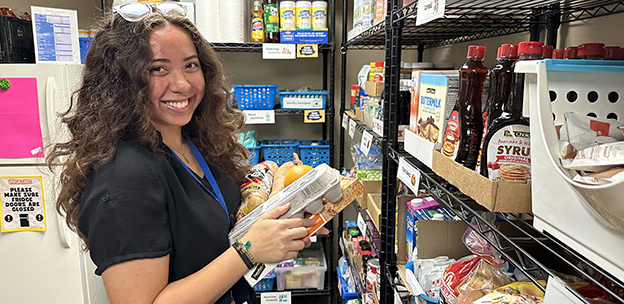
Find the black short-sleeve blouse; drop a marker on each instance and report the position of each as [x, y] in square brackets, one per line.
[143, 204]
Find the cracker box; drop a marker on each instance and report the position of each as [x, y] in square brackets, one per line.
[438, 94]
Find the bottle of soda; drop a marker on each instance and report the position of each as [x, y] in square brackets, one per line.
[464, 128]
[271, 21]
[501, 80]
[507, 148]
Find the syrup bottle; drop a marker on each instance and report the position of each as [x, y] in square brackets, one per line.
[501, 80]
[464, 129]
[506, 148]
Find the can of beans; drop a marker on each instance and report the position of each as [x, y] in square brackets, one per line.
[372, 275]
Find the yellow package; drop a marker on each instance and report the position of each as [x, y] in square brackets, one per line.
[514, 293]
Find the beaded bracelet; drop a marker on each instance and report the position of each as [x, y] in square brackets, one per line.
[243, 251]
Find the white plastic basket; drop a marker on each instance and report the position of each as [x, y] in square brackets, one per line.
[590, 219]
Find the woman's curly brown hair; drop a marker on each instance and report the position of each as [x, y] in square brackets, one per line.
[113, 99]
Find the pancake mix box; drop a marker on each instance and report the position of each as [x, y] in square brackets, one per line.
[437, 97]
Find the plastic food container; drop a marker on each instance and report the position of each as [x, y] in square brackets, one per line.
[306, 271]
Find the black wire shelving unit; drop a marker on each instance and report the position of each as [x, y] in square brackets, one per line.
[467, 20]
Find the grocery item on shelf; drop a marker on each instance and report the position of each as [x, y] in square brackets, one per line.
[271, 21]
[256, 187]
[570, 52]
[501, 81]
[304, 15]
[438, 95]
[266, 284]
[583, 131]
[462, 136]
[415, 91]
[287, 15]
[307, 270]
[592, 51]
[319, 15]
[379, 72]
[371, 71]
[557, 54]
[517, 292]
[547, 51]
[404, 101]
[612, 53]
[257, 22]
[507, 148]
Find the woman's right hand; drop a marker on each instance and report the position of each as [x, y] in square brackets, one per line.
[274, 240]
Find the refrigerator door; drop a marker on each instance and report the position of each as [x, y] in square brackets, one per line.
[55, 83]
[46, 266]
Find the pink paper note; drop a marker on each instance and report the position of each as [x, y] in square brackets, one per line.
[20, 127]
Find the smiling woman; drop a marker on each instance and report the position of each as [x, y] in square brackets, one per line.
[152, 170]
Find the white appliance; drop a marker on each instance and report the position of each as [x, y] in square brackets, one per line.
[46, 266]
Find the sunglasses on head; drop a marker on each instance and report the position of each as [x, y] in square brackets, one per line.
[134, 12]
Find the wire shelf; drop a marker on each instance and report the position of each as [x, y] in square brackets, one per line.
[252, 47]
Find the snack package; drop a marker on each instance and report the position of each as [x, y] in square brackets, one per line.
[256, 187]
[585, 131]
[597, 158]
[613, 175]
[469, 296]
[483, 276]
[478, 245]
[453, 275]
[305, 195]
[514, 293]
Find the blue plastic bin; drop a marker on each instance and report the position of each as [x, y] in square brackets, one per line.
[319, 103]
[254, 155]
[255, 97]
[314, 152]
[279, 150]
[344, 293]
[85, 44]
[266, 284]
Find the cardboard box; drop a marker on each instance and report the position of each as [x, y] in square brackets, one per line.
[375, 214]
[436, 238]
[374, 199]
[359, 115]
[369, 187]
[372, 88]
[303, 36]
[499, 196]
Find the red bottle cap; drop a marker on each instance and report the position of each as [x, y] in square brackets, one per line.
[570, 52]
[557, 54]
[591, 49]
[612, 53]
[509, 51]
[476, 51]
[530, 47]
[547, 51]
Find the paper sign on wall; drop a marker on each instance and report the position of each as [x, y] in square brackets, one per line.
[429, 10]
[20, 135]
[23, 206]
[313, 116]
[283, 297]
[409, 175]
[259, 117]
[55, 32]
[366, 142]
[279, 51]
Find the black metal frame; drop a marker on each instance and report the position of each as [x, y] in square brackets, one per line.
[464, 20]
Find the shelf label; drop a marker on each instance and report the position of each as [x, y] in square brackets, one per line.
[259, 117]
[307, 50]
[351, 128]
[429, 10]
[313, 116]
[366, 142]
[409, 175]
[361, 223]
[275, 297]
[279, 51]
[345, 120]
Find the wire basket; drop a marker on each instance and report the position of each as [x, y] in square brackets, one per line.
[254, 155]
[314, 100]
[266, 284]
[314, 152]
[279, 150]
[255, 97]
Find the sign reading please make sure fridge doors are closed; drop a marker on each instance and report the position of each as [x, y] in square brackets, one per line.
[23, 206]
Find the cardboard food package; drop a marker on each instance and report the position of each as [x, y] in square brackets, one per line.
[322, 193]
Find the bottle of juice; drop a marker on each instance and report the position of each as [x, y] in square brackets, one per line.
[271, 21]
[501, 79]
[464, 128]
[257, 22]
[507, 148]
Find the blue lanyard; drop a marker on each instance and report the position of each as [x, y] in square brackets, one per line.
[208, 175]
